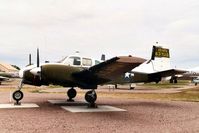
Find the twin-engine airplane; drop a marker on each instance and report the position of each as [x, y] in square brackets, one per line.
[76, 71]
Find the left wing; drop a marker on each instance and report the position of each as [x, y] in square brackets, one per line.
[108, 70]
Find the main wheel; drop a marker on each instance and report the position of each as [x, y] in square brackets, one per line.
[71, 93]
[91, 96]
[115, 86]
[17, 95]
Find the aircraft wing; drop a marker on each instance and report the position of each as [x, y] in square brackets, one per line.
[3, 78]
[170, 72]
[109, 70]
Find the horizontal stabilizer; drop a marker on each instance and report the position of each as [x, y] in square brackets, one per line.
[167, 73]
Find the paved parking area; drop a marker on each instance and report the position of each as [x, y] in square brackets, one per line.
[140, 116]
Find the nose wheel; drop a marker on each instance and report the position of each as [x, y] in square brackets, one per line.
[17, 96]
[91, 97]
[71, 94]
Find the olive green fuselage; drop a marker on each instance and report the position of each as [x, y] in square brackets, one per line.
[59, 74]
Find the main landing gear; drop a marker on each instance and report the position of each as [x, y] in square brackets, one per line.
[18, 94]
[91, 97]
[173, 79]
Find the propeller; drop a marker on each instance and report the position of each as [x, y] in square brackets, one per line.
[38, 57]
[30, 62]
[37, 71]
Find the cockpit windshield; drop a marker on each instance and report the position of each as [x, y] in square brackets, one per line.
[62, 60]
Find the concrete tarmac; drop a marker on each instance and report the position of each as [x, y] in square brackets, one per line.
[143, 116]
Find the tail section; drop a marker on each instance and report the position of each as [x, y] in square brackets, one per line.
[160, 58]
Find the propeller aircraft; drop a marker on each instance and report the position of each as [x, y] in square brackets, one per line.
[76, 71]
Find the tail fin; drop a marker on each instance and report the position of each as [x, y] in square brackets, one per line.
[160, 58]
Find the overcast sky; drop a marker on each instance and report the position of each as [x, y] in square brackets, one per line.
[93, 27]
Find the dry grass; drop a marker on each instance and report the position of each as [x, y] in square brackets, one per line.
[166, 84]
[191, 95]
[185, 95]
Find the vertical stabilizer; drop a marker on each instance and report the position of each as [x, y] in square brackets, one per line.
[160, 58]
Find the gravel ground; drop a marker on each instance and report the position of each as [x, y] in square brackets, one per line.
[141, 116]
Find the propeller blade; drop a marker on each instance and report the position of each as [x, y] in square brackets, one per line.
[30, 62]
[37, 57]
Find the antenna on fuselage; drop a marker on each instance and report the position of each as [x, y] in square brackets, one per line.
[103, 57]
[77, 53]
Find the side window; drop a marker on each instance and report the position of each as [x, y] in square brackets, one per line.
[75, 61]
[97, 62]
[86, 62]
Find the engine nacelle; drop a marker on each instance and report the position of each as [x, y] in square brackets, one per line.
[29, 78]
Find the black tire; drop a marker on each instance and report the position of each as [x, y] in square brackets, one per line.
[17, 95]
[90, 97]
[115, 86]
[71, 93]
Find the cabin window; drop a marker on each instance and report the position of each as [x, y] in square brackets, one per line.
[86, 62]
[97, 62]
[75, 61]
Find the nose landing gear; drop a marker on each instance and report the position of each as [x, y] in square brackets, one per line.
[18, 94]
